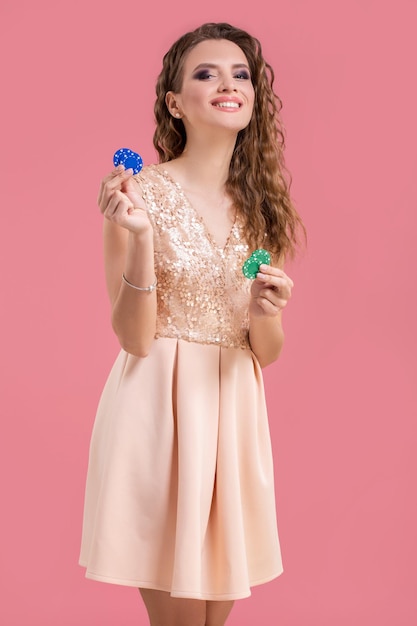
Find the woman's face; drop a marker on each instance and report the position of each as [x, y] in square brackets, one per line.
[217, 90]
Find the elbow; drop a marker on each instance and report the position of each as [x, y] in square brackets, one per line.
[140, 349]
[268, 359]
[269, 354]
[139, 345]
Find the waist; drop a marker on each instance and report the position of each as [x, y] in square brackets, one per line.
[224, 339]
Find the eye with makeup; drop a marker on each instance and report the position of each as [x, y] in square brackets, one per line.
[242, 75]
[206, 74]
[203, 75]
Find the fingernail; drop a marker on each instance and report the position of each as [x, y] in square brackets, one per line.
[129, 171]
[120, 168]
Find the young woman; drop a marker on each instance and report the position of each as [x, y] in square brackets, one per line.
[180, 494]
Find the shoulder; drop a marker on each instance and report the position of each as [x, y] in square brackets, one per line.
[159, 193]
[150, 175]
[157, 185]
[151, 184]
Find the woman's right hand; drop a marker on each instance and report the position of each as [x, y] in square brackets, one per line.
[120, 201]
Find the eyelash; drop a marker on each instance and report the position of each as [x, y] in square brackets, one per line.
[243, 75]
[205, 74]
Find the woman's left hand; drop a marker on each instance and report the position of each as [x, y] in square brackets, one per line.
[270, 291]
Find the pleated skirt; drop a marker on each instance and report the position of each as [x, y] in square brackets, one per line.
[180, 484]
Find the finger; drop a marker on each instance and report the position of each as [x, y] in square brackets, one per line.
[269, 270]
[118, 206]
[268, 307]
[106, 179]
[117, 183]
[131, 184]
[117, 170]
[111, 182]
[278, 280]
[111, 206]
[136, 209]
[280, 285]
[274, 298]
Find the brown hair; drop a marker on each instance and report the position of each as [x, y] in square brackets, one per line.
[258, 181]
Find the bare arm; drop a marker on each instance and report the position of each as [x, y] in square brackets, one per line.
[128, 249]
[270, 293]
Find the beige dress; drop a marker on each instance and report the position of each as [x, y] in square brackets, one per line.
[180, 486]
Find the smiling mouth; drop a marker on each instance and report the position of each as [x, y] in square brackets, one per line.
[227, 105]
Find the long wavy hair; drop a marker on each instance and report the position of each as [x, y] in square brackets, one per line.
[258, 181]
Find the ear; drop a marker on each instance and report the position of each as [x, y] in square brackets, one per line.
[171, 100]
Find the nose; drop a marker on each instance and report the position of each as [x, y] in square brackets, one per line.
[227, 84]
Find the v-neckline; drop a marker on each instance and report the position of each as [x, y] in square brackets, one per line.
[199, 218]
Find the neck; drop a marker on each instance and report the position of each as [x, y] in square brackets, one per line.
[207, 162]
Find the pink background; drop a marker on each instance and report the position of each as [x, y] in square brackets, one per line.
[78, 83]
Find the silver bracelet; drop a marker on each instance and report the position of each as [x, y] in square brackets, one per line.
[150, 288]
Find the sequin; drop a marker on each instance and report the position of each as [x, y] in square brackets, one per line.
[202, 293]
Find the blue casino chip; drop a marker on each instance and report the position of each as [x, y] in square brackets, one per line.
[128, 158]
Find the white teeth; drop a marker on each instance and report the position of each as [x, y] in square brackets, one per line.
[228, 105]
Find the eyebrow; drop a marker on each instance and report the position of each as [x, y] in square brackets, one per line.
[214, 66]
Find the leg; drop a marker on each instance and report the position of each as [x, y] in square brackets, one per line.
[218, 612]
[163, 610]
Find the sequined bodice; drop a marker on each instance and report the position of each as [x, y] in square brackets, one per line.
[202, 293]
